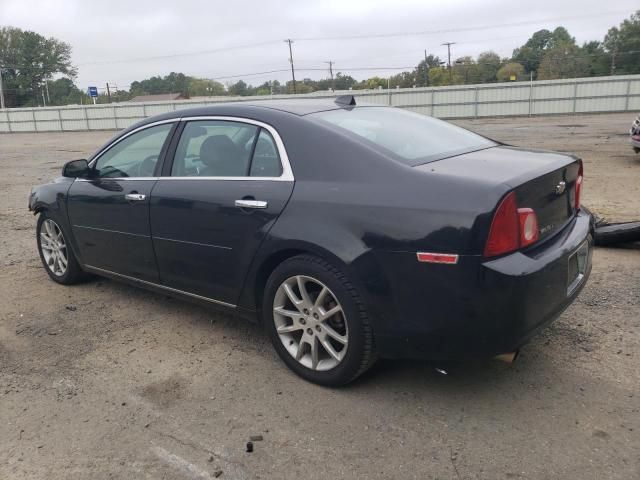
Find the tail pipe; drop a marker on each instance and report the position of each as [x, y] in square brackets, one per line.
[509, 357]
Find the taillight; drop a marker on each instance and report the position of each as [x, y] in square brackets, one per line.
[511, 228]
[503, 235]
[578, 190]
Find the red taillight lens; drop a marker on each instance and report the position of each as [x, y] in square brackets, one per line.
[578, 192]
[504, 233]
[512, 228]
[528, 226]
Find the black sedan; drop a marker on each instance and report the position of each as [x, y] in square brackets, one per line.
[351, 232]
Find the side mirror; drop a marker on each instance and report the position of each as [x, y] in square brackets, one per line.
[76, 168]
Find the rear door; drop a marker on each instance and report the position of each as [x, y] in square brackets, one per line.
[109, 212]
[229, 181]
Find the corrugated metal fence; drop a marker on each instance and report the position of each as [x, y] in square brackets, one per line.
[582, 95]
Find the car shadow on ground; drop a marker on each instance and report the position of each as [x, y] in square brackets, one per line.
[476, 374]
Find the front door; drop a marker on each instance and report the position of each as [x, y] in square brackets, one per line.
[109, 212]
[228, 184]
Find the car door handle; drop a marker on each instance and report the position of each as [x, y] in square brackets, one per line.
[135, 197]
[251, 204]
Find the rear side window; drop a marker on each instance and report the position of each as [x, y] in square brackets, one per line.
[412, 138]
[266, 160]
[214, 148]
[217, 148]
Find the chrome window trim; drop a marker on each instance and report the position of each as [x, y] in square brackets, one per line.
[104, 179]
[97, 156]
[287, 172]
[157, 285]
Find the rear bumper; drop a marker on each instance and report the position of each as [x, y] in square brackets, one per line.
[482, 308]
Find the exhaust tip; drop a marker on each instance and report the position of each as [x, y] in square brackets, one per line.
[508, 357]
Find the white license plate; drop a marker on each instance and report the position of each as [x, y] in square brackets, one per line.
[577, 267]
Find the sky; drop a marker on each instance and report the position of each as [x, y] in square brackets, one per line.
[120, 41]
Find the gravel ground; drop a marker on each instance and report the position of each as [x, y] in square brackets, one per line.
[105, 381]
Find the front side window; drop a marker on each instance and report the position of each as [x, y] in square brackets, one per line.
[135, 156]
[409, 137]
[220, 148]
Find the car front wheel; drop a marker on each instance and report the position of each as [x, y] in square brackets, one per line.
[317, 322]
[56, 254]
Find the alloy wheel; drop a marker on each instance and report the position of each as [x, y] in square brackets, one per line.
[54, 248]
[310, 322]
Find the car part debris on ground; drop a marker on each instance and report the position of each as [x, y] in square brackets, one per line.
[607, 234]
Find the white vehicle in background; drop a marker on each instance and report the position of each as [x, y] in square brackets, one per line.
[635, 135]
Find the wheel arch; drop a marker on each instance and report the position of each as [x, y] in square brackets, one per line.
[358, 269]
[252, 293]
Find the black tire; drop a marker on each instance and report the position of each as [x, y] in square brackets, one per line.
[360, 349]
[73, 273]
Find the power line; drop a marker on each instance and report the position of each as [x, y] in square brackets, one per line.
[456, 30]
[348, 37]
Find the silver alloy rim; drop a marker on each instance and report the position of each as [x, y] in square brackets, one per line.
[54, 248]
[310, 322]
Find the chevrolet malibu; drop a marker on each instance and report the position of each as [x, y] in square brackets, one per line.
[350, 232]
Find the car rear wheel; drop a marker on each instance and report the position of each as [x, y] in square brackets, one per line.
[56, 254]
[317, 322]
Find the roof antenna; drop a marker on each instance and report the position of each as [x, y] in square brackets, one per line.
[346, 100]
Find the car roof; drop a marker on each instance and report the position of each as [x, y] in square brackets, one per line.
[299, 107]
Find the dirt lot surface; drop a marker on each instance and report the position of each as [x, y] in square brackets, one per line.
[105, 381]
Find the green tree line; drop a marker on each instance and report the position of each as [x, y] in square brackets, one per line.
[38, 70]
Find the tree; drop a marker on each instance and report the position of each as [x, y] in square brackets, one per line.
[565, 61]
[64, 92]
[532, 52]
[488, 65]
[344, 82]
[623, 44]
[560, 38]
[510, 70]
[239, 88]
[372, 83]
[202, 87]
[597, 60]
[172, 83]
[422, 70]
[28, 60]
[440, 76]
[467, 69]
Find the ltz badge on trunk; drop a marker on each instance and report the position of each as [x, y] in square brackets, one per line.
[561, 187]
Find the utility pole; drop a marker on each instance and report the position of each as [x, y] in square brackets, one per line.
[448, 44]
[333, 83]
[46, 87]
[426, 70]
[1, 91]
[293, 73]
[613, 61]
[108, 93]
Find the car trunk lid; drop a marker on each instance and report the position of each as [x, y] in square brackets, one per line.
[543, 181]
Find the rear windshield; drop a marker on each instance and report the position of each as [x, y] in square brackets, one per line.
[412, 138]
